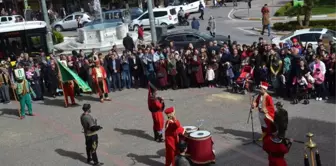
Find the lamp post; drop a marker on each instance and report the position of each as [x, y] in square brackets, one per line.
[151, 20]
[50, 43]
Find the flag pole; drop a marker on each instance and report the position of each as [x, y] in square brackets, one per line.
[60, 76]
[16, 101]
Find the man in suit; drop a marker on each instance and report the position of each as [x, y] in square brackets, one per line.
[106, 67]
[136, 69]
[114, 68]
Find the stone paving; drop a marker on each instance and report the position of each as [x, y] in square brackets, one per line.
[54, 137]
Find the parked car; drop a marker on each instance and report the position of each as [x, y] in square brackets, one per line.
[163, 16]
[306, 36]
[189, 6]
[70, 22]
[11, 19]
[182, 38]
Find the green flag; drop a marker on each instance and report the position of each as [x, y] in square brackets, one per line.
[68, 75]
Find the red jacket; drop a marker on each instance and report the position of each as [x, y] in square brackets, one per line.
[95, 79]
[267, 106]
[140, 32]
[276, 151]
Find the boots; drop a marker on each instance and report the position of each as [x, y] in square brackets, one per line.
[156, 134]
[160, 139]
[262, 136]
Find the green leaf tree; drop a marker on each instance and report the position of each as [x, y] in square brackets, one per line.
[308, 7]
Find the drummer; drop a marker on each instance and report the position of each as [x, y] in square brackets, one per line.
[172, 132]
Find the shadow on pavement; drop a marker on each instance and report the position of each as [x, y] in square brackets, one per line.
[71, 154]
[135, 132]
[324, 137]
[9, 111]
[145, 159]
[241, 135]
[54, 102]
[88, 97]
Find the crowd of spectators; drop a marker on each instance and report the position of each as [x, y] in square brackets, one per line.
[288, 68]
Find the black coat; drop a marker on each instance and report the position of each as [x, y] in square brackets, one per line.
[138, 70]
[128, 43]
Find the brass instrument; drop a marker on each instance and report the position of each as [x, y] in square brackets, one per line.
[314, 157]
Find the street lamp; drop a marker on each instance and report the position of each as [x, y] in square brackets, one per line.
[50, 43]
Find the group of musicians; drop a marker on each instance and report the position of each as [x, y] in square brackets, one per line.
[273, 124]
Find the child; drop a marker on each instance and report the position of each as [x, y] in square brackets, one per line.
[210, 76]
[319, 79]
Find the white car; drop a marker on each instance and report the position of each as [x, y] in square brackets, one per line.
[189, 6]
[11, 19]
[70, 21]
[306, 36]
[163, 16]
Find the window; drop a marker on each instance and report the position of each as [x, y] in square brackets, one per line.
[3, 19]
[310, 37]
[331, 33]
[145, 16]
[35, 42]
[69, 18]
[193, 38]
[172, 11]
[78, 16]
[175, 38]
[107, 16]
[160, 14]
[117, 15]
[10, 18]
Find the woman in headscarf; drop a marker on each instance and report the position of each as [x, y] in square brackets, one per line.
[172, 70]
[161, 73]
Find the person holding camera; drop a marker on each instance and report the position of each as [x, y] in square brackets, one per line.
[91, 137]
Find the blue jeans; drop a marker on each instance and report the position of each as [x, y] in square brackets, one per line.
[268, 28]
[126, 79]
[116, 81]
[109, 81]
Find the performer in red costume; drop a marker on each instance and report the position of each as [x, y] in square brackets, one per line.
[99, 79]
[156, 106]
[264, 103]
[172, 132]
[276, 145]
[69, 91]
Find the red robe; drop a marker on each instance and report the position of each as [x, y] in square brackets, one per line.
[199, 74]
[69, 91]
[172, 132]
[156, 108]
[266, 112]
[162, 69]
[276, 151]
[95, 80]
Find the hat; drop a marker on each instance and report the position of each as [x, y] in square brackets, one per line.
[294, 40]
[169, 111]
[86, 107]
[264, 85]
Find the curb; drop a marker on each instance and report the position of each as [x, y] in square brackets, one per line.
[333, 15]
[272, 32]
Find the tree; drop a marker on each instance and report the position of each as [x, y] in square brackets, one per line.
[295, 11]
[308, 7]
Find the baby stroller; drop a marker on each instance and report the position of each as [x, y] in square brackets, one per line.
[302, 88]
[244, 81]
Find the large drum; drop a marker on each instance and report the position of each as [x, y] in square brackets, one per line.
[200, 148]
[190, 129]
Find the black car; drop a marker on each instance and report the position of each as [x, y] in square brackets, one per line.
[182, 38]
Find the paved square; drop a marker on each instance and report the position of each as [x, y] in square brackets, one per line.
[54, 137]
